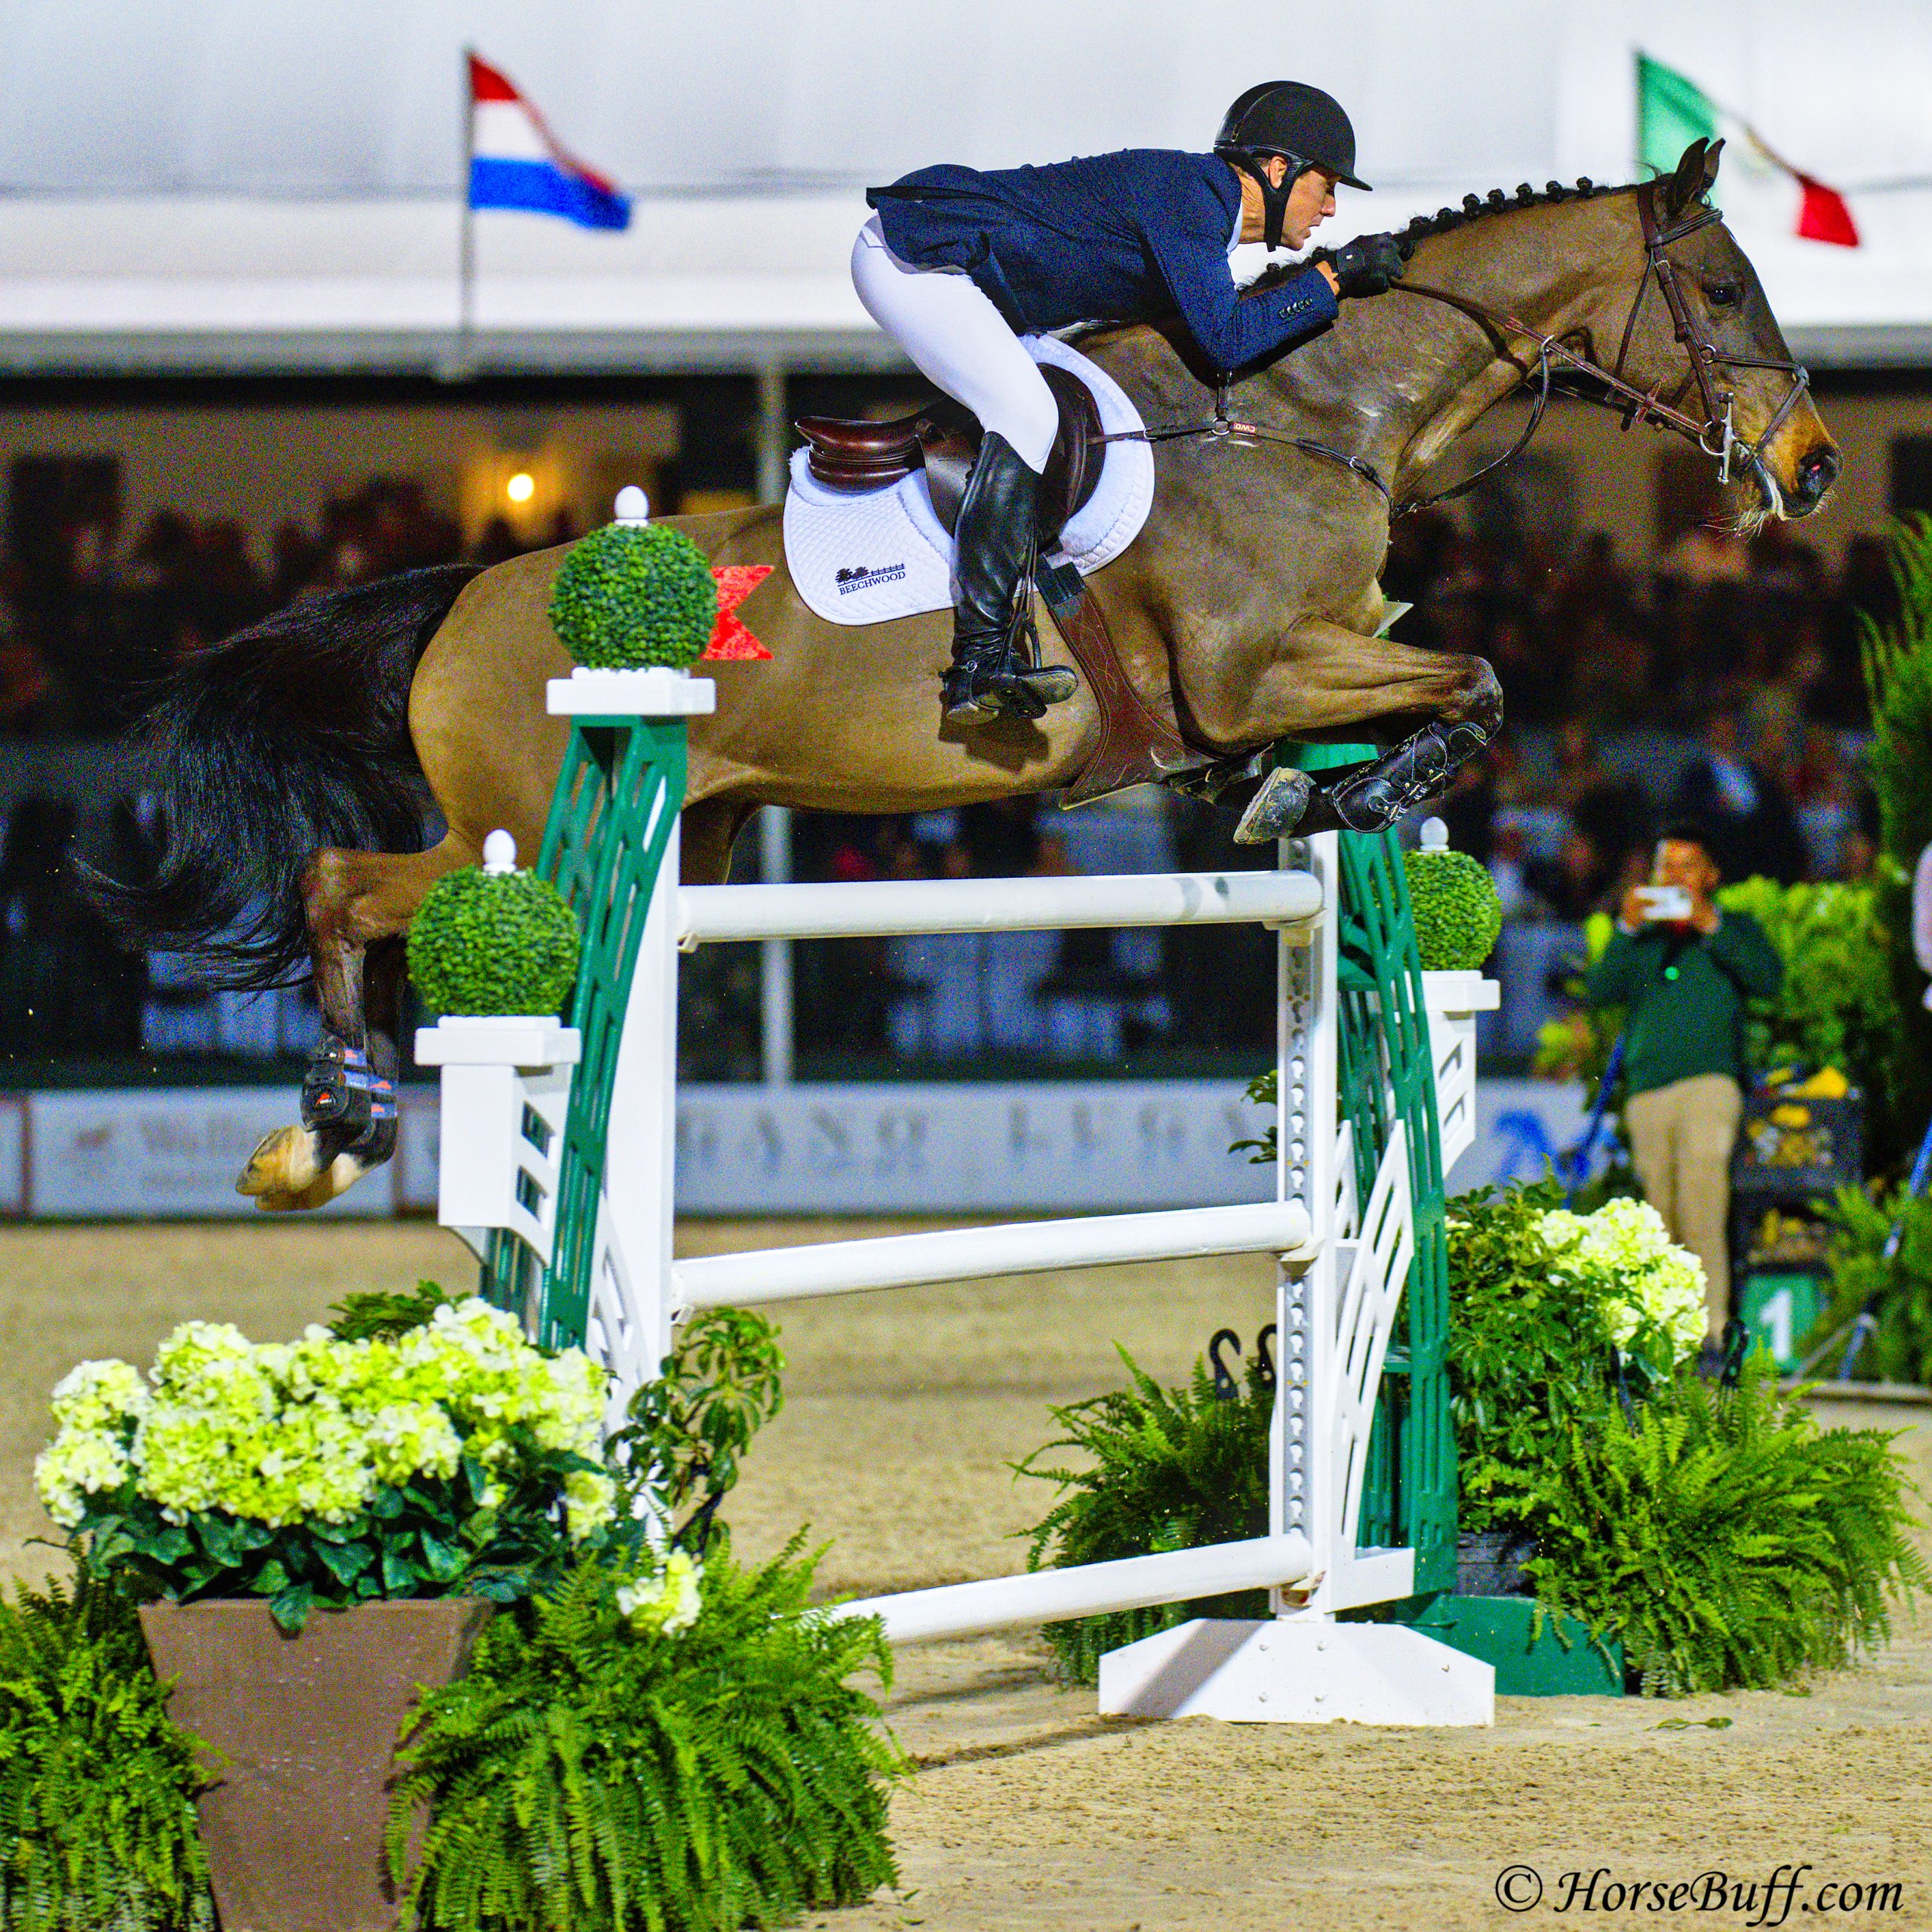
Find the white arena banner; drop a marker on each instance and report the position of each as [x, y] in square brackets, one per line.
[1049, 1147]
[163, 1153]
[963, 1148]
[1039, 1147]
[13, 1154]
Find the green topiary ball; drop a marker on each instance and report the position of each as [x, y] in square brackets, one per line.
[1457, 914]
[486, 942]
[630, 595]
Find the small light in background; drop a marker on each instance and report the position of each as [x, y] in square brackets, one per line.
[521, 488]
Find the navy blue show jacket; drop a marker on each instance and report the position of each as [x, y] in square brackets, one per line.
[1113, 238]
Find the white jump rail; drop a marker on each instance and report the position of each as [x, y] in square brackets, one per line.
[1016, 1247]
[1341, 1266]
[1046, 1596]
[891, 908]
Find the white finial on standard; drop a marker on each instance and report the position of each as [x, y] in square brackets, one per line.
[633, 506]
[498, 854]
[1435, 835]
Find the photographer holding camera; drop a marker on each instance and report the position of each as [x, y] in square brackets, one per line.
[1684, 969]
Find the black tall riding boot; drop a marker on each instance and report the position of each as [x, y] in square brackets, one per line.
[996, 664]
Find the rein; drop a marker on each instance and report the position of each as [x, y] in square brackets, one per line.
[1637, 405]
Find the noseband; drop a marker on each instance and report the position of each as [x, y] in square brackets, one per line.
[1714, 435]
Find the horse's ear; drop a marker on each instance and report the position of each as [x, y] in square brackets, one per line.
[1695, 169]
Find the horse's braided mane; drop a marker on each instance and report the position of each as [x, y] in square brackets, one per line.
[1474, 208]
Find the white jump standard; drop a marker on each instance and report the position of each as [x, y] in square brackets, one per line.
[1342, 1261]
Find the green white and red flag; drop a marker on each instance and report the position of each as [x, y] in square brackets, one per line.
[1758, 188]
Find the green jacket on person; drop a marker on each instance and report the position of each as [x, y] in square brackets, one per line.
[1686, 993]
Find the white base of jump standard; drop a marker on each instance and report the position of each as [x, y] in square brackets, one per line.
[1288, 1672]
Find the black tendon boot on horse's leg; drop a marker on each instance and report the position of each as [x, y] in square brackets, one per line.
[348, 1116]
[1372, 796]
[996, 664]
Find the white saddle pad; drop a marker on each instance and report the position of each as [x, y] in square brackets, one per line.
[859, 558]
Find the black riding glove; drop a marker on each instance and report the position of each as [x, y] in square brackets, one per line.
[1368, 265]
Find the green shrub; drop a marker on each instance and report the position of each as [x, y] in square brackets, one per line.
[1457, 914]
[1527, 1349]
[1169, 1469]
[1897, 1287]
[1898, 680]
[494, 943]
[688, 1427]
[97, 1787]
[1837, 1006]
[629, 597]
[1728, 1540]
[582, 1779]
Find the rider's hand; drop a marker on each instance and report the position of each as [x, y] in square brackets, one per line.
[1367, 265]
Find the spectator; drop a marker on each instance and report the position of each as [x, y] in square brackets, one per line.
[1685, 977]
[1752, 830]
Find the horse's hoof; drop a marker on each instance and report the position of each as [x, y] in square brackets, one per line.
[285, 1162]
[1277, 807]
[341, 1174]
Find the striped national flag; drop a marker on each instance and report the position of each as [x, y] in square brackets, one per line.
[516, 162]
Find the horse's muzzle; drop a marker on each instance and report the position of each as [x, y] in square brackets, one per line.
[1816, 472]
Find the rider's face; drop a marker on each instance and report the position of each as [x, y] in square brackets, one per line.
[1311, 201]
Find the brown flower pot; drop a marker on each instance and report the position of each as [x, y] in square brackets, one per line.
[303, 1731]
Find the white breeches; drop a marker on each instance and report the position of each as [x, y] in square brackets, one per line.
[959, 340]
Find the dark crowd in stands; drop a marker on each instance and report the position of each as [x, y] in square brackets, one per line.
[86, 628]
[1721, 682]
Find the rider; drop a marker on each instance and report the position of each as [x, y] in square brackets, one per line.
[957, 263]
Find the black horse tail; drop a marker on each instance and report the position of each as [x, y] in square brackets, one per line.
[288, 737]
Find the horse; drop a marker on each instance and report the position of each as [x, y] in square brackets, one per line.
[293, 757]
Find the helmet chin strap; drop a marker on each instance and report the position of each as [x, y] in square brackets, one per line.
[1274, 200]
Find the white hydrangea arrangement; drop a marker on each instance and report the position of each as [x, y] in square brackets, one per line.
[1649, 1291]
[453, 1454]
[664, 1603]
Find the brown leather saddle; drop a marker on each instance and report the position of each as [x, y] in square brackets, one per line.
[944, 441]
[1136, 747]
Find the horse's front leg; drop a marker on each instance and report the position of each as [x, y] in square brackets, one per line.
[358, 904]
[1333, 682]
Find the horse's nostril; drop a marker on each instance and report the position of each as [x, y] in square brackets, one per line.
[1816, 474]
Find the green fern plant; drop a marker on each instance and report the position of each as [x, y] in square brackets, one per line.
[1728, 1540]
[1898, 680]
[582, 1778]
[97, 1787]
[1896, 1285]
[1167, 1468]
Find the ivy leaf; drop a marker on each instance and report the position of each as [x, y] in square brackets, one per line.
[345, 1562]
[290, 1607]
[443, 1561]
[271, 1580]
[400, 1576]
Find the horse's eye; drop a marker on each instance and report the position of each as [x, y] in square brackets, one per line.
[1723, 294]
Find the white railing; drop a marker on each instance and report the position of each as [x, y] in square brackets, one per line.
[890, 908]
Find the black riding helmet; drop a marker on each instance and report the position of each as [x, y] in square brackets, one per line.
[1304, 125]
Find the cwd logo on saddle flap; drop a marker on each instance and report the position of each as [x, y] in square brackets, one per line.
[863, 577]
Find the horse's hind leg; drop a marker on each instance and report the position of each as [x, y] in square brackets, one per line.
[359, 904]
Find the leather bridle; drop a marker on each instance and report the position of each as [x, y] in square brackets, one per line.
[1707, 360]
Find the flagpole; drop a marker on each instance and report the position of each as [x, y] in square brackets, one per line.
[465, 348]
